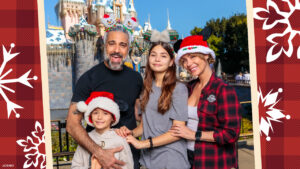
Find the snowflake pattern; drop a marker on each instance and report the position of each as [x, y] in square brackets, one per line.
[35, 148]
[268, 112]
[7, 56]
[273, 16]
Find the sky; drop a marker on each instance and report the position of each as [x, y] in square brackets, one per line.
[184, 14]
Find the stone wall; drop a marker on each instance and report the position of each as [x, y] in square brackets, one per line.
[60, 86]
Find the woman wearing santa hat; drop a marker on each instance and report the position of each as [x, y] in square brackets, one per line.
[163, 104]
[213, 107]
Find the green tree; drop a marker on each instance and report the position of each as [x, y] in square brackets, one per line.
[229, 40]
[236, 44]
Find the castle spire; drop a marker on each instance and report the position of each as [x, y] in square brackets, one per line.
[149, 27]
[124, 8]
[131, 6]
[169, 24]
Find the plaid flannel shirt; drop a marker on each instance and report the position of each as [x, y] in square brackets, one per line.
[220, 111]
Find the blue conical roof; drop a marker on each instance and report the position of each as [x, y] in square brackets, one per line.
[131, 6]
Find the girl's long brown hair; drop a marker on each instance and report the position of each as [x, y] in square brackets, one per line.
[168, 85]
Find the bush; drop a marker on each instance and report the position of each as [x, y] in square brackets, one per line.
[246, 126]
[55, 143]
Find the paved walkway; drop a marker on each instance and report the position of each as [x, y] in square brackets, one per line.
[245, 153]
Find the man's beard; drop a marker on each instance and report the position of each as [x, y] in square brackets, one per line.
[114, 65]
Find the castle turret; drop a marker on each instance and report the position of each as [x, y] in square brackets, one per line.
[100, 5]
[83, 36]
[124, 9]
[117, 8]
[173, 33]
[147, 25]
[109, 7]
[69, 12]
[169, 23]
[131, 9]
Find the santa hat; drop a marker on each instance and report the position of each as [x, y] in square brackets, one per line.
[194, 44]
[102, 100]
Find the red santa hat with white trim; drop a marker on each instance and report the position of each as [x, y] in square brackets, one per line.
[194, 44]
[102, 100]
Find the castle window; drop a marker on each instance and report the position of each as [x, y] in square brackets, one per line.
[118, 12]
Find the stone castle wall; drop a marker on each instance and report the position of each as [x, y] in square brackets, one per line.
[60, 86]
[62, 77]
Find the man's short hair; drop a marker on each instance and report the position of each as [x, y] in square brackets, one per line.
[119, 28]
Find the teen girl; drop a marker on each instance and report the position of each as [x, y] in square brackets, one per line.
[163, 104]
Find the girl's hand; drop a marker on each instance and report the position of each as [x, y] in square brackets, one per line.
[123, 131]
[136, 143]
[182, 131]
[95, 163]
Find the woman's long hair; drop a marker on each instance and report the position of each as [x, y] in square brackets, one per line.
[168, 83]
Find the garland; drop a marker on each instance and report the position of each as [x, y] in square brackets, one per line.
[139, 48]
[90, 30]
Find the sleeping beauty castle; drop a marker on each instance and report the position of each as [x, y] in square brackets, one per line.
[77, 45]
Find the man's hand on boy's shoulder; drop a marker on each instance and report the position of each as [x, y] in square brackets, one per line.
[107, 159]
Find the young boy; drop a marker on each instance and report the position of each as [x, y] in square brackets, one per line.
[101, 112]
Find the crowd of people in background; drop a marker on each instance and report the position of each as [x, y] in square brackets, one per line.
[238, 78]
[243, 77]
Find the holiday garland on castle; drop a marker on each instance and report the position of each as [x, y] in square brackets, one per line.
[89, 29]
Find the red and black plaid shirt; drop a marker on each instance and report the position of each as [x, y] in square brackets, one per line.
[218, 110]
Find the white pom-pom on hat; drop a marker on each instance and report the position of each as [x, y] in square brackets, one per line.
[82, 107]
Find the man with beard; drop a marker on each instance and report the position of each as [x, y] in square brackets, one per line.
[110, 76]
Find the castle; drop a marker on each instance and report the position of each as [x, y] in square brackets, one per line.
[77, 46]
[71, 10]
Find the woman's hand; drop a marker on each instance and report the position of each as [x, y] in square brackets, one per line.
[136, 143]
[182, 131]
[123, 131]
[95, 163]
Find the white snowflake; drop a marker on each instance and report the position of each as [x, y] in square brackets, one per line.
[7, 56]
[289, 18]
[272, 114]
[34, 147]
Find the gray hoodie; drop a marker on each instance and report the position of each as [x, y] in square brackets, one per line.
[107, 140]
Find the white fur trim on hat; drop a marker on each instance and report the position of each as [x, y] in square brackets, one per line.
[105, 104]
[193, 49]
